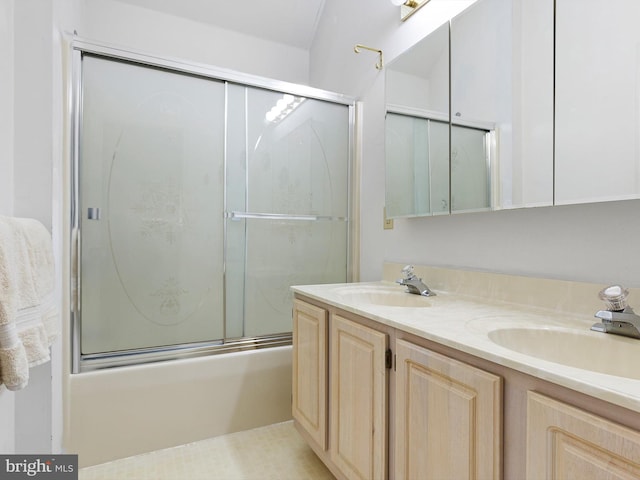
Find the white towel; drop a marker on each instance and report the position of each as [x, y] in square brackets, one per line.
[29, 319]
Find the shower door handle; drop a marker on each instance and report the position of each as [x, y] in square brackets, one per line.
[93, 213]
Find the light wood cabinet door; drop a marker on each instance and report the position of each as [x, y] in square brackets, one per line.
[310, 359]
[358, 400]
[564, 442]
[448, 417]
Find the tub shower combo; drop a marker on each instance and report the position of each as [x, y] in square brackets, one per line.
[198, 197]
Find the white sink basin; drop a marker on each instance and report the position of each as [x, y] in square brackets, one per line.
[597, 352]
[382, 296]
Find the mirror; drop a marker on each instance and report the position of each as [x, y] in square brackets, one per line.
[502, 94]
[417, 129]
[510, 72]
[597, 101]
[501, 100]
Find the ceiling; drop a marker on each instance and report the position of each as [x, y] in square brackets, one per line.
[291, 22]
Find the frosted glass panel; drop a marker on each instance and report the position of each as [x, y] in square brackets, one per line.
[417, 166]
[469, 169]
[151, 163]
[439, 166]
[417, 128]
[407, 166]
[287, 202]
[198, 207]
[298, 164]
[283, 253]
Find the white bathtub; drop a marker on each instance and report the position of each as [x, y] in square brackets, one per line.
[120, 412]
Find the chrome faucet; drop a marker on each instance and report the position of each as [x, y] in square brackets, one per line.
[414, 284]
[619, 318]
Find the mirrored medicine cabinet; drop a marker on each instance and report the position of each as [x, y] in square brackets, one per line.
[417, 129]
[597, 116]
[473, 122]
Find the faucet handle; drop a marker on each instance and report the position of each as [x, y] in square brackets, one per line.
[407, 272]
[615, 297]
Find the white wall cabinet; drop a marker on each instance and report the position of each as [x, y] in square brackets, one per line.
[597, 154]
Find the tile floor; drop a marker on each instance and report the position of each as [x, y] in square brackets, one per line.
[273, 452]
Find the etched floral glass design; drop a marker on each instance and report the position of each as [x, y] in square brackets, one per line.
[287, 201]
[151, 158]
[201, 203]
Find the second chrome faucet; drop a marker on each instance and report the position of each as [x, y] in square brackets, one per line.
[414, 284]
[619, 318]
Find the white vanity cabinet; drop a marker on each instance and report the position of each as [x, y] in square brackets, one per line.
[566, 442]
[447, 417]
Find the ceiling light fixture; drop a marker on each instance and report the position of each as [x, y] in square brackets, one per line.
[283, 107]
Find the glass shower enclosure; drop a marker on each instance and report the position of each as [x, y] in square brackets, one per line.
[199, 197]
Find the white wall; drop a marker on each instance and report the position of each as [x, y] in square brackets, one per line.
[153, 32]
[7, 399]
[6, 108]
[32, 113]
[30, 420]
[591, 243]
[334, 65]
[25, 134]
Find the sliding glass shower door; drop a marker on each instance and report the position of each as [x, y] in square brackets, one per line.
[197, 203]
[287, 204]
[151, 197]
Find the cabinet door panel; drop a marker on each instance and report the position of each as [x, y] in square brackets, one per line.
[566, 442]
[597, 154]
[358, 399]
[448, 417]
[310, 370]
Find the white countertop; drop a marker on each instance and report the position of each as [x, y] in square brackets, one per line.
[464, 322]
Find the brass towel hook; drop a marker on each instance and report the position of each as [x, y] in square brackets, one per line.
[380, 63]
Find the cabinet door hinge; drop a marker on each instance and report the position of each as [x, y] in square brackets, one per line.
[388, 358]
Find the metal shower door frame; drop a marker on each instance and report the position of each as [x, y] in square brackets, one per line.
[79, 47]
